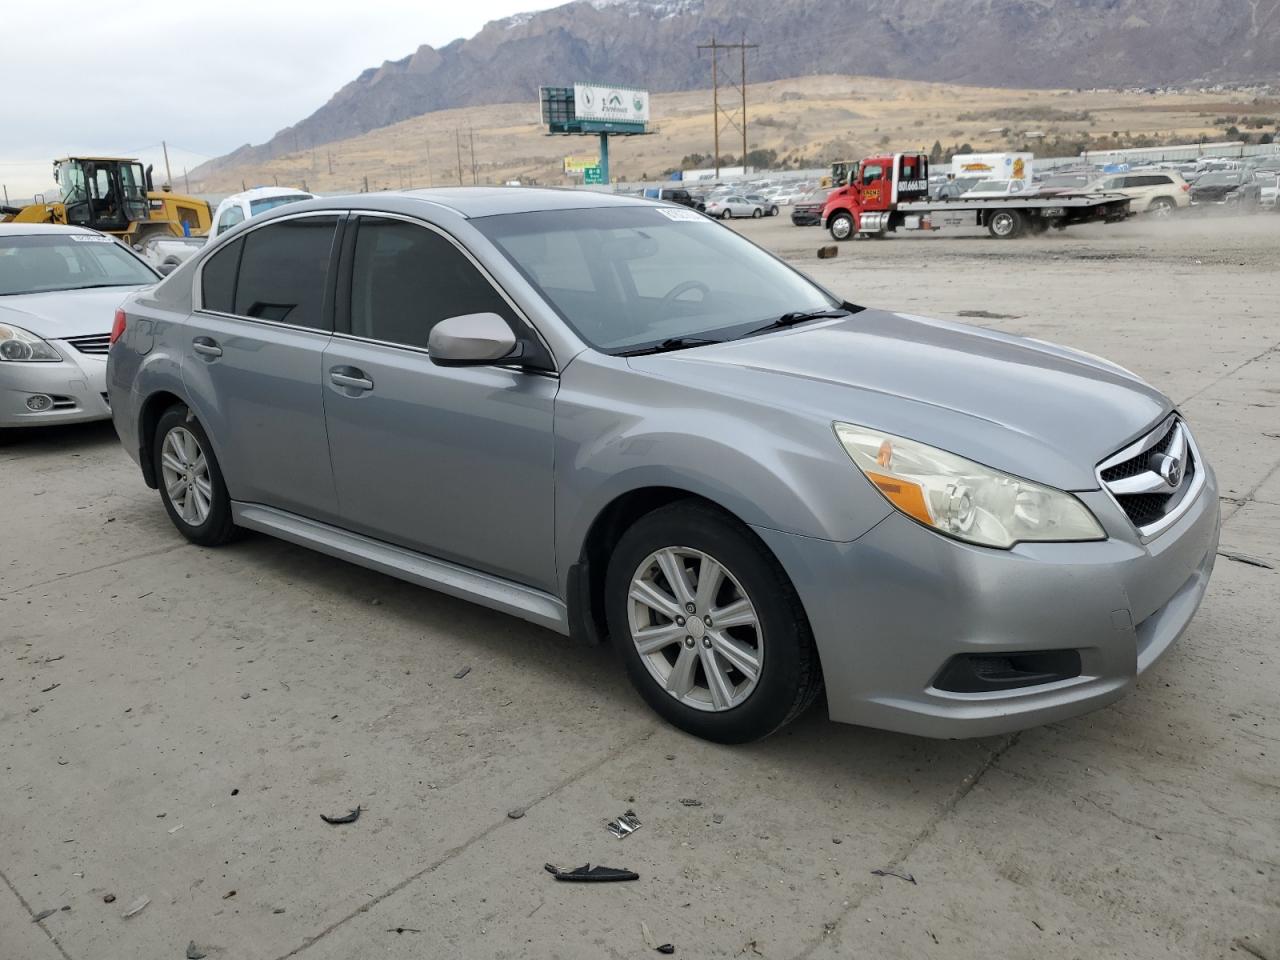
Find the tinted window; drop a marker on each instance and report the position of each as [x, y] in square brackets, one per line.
[218, 279]
[406, 279]
[283, 271]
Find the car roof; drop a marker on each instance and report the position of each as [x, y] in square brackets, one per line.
[259, 193]
[474, 202]
[38, 229]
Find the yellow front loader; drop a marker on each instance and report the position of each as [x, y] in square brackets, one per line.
[115, 196]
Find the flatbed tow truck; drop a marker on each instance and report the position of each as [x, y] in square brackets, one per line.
[888, 193]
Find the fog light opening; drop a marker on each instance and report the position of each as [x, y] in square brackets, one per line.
[990, 672]
[39, 402]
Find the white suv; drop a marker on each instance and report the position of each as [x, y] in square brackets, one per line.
[1158, 192]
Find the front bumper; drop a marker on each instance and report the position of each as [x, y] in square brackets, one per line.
[889, 610]
[77, 384]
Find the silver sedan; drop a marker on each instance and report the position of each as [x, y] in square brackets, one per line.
[59, 289]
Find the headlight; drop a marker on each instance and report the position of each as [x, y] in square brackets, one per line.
[965, 499]
[18, 344]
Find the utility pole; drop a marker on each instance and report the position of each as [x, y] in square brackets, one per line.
[168, 177]
[739, 123]
[6, 194]
[457, 137]
[429, 183]
[186, 180]
[472, 134]
[329, 155]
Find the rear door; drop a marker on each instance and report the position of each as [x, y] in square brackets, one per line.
[455, 462]
[252, 358]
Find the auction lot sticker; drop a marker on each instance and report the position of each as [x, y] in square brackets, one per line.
[91, 238]
[690, 216]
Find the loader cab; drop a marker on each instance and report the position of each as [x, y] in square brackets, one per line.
[102, 193]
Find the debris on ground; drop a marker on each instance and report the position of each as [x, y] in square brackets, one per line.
[987, 315]
[647, 936]
[194, 952]
[51, 688]
[516, 813]
[175, 829]
[589, 874]
[893, 873]
[54, 659]
[228, 895]
[44, 914]
[717, 818]
[828, 251]
[351, 816]
[136, 907]
[690, 802]
[666, 948]
[403, 930]
[108, 898]
[837, 840]
[625, 825]
[244, 696]
[1245, 558]
[462, 673]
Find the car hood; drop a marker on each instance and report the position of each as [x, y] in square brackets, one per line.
[1031, 408]
[59, 314]
[1216, 191]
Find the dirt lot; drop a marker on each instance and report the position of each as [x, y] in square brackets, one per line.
[173, 721]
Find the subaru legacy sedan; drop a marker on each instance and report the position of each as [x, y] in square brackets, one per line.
[620, 420]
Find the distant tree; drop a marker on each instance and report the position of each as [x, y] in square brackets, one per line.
[1233, 132]
[935, 154]
[728, 160]
[695, 160]
[1267, 138]
[966, 148]
[761, 158]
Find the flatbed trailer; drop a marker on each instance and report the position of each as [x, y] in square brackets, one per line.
[890, 193]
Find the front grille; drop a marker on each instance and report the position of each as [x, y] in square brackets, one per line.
[1138, 477]
[98, 344]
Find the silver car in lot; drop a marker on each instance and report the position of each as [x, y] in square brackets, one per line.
[59, 289]
[619, 419]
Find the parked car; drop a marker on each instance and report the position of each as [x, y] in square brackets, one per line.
[1268, 182]
[952, 189]
[1232, 189]
[1159, 193]
[616, 418]
[770, 207]
[166, 253]
[58, 288]
[239, 207]
[675, 195]
[734, 205]
[807, 211]
[1062, 183]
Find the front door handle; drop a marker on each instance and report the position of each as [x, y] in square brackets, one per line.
[206, 347]
[352, 379]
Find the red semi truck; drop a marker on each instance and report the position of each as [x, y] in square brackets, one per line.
[891, 192]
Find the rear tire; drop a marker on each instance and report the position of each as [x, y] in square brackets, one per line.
[726, 214]
[1006, 224]
[1162, 207]
[191, 484]
[690, 672]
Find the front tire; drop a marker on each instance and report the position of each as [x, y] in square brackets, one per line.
[757, 213]
[841, 225]
[773, 211]
[708, 626]
[191, 484]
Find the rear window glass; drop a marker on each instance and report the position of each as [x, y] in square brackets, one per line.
[284, 271]
[218, 278]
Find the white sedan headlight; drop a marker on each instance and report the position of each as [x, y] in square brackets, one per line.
[22, 345]
[965, 499]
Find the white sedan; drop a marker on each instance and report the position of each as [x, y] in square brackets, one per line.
[996, 188]
[59, 289]
[734, 205]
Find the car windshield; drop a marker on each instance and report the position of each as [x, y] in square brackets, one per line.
[632, 277]
[67, 261]
[270, 203]
[1221, 179]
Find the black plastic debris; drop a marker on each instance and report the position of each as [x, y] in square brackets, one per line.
[667, 948]
[516, 813]
[403, 930]
[690, 802]
[893, 873]
[462, 673]
[194, 952]
[350, 817]
[589, 874]
[44, 914]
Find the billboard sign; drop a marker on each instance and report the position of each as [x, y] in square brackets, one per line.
[622, 104]
[578, 164]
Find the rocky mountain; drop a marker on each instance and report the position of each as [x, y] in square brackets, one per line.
[653, 44]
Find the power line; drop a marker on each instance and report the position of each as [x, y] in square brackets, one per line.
[716, 110]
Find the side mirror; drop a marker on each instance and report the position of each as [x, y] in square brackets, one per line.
[472, 340]
[166, 268]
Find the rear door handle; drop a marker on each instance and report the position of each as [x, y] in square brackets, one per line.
[352, 378]
[206, 347]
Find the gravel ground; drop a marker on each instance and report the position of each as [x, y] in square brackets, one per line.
[173, 721]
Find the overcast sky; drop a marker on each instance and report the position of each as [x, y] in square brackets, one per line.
[206, 77]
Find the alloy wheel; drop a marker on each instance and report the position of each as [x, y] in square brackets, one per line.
[695, 628]
[184, 470]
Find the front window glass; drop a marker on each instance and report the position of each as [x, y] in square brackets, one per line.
[872, 172]
[37, 264]
[630, 277]
[270, 203]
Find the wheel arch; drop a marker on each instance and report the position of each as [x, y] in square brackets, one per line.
[149, 414]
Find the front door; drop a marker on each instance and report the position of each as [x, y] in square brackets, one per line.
[252, 356]
[452, 462]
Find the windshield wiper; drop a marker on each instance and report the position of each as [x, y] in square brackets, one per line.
[671, 343]
[797, 316]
